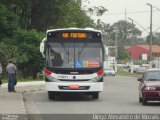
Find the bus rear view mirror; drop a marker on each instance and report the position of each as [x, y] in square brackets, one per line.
[42, 47]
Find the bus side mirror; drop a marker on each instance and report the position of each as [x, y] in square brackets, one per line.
[42, 47]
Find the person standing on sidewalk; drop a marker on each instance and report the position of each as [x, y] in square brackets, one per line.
[11, 70]
[0, 74]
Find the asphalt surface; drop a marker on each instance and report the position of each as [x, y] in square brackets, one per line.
[120, 96]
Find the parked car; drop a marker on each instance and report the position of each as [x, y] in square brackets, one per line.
[141, 69]
[126, 68]
[135, 68]
[109, 71]
[149, 86]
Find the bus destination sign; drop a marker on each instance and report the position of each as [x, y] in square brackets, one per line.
[74, 35]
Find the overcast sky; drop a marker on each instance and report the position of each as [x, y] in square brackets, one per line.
[135, 9]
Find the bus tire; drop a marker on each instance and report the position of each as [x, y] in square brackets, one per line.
[140, 99]
[95, 95]
[51, 95]
[144, 101]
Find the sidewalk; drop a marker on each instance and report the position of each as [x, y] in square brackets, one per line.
[20, 84]
[13, 103]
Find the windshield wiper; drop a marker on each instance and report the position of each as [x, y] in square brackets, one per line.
[80, 52]
[67, 52]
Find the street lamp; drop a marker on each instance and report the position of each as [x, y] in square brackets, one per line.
[132, 47]
[153, 6]
[139, 25]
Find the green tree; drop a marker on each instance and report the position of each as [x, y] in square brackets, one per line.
[8, 27]
[8, 22]
[7, 52]
[18, 18]
[70, 14]
[98, 11]
[123, 55]
[155, 39]
[125, 31]
[28, 43]
[45, 14]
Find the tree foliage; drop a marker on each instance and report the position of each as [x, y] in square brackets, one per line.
[45, 14]
[123, 55]
[22, 23]
[126, 31]
[123, 31]
[155, 39]
[99, 11]
[7, 52]
[8, 22]
[28, 48]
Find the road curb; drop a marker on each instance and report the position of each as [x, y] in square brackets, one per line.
[22, 103]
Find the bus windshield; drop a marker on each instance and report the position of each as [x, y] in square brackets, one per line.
[74, 55]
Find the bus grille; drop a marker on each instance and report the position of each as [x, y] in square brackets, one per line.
[76, 80]
[80, 88]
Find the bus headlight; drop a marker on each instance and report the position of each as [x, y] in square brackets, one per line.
[97, 79]
[51, 79]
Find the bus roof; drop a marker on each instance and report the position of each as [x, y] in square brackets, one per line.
[87, 29]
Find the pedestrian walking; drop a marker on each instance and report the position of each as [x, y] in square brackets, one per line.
[11, 70]
[0, 74]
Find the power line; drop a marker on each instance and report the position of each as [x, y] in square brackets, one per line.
[157, 29]
[133, 12]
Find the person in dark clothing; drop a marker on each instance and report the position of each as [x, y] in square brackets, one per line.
[11, 70]
[0, 74]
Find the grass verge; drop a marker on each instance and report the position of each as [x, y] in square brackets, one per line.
[121, 72]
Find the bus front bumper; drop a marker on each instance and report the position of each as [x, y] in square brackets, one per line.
[74, 87]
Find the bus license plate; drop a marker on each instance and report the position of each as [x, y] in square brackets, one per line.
[73, 86]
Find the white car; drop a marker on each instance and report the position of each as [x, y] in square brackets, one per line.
[142, 70]
[109, 71]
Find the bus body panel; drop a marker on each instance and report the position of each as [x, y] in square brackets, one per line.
[73, 77]
[93, 87]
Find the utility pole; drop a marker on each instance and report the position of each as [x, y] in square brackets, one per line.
[132, 47]
[116, 48]
[151, 36]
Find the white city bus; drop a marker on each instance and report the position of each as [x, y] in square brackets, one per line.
[73, 61]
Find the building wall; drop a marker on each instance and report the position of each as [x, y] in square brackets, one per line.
[137, 51]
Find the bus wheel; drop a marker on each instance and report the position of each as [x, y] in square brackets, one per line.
[144, 101]
[51, 95]
[95, 95]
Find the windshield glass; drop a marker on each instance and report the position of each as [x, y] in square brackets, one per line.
[153, 75]
[74, 55]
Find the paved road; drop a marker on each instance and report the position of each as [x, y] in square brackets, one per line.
[120, 95]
